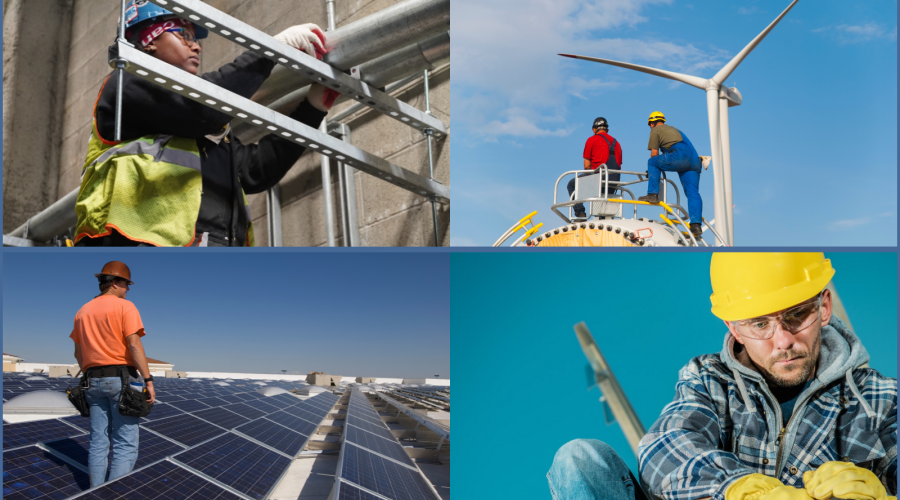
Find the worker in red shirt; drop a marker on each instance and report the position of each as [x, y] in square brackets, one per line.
[600, 148]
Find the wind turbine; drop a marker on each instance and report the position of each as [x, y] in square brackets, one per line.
[718, 100]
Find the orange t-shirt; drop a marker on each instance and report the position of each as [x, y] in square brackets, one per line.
[101, 326]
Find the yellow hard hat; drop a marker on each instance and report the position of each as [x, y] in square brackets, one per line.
[656, 116]
[748, 285]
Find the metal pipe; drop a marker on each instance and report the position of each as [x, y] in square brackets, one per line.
[428, 139]
[273, 215]
[385, 31]
[349, 212]
[52, 221]
[326, 162]
[120, 73]
[380, 72]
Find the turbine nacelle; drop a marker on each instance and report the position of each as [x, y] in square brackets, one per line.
[732, 95]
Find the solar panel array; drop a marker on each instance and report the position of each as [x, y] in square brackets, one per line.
[373, 461]
[216, 441]
[15, 384]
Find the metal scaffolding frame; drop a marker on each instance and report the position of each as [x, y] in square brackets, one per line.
[301, 68]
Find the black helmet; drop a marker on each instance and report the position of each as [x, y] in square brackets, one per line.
[600, 122]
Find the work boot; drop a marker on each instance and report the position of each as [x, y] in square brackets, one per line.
[580, 214]
[696, 230]
[650, 198]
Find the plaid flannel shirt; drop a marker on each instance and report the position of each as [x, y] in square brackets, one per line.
[724, 423]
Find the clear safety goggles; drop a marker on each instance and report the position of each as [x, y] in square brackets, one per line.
[792, 320]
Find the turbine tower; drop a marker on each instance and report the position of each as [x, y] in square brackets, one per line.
[718, 99]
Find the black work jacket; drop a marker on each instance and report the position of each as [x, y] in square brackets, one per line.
[226, 167]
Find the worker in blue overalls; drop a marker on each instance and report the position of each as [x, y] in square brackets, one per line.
[671, 151]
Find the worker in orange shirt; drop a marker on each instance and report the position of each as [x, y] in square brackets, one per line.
[107, 336]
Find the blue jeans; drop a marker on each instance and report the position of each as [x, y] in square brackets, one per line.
[591, 469]
[570, 187]
[106, 423]
[681, 158]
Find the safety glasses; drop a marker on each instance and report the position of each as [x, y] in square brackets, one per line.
[792, 320]
[186, 36]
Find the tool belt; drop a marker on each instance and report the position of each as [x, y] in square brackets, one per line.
[132, 403]
[78, 398]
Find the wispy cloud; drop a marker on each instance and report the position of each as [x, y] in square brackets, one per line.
[859, 33]
[504, 55]
[744, 11]
[842, 225]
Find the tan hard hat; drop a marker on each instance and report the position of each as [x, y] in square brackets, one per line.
[117, 269]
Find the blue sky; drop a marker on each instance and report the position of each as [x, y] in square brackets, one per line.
[819, 111]
[520, 366]
[343, 313]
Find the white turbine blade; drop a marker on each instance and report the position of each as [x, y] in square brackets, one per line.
[695, 81]
[725, 72]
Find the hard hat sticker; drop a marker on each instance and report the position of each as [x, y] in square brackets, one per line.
[131, 14]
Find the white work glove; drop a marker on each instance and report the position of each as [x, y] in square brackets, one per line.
[321, 97]
[705, 161]
[306, 37]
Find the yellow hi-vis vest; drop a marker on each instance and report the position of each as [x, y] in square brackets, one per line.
[147, 189]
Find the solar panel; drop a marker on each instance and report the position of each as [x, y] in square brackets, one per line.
[292, 422]
[161, 411]
[35, 474]
[322, 404]
[266, 406]
[374, 429]
[277, 436]
[189, 406]
[303, 413]
[162, 481]
[168, 398]
[371, 418]
[186, 429]
[245, 396]
[25, 433]
[383, 476]
[78, 421]
[151, 448]
[389, 448]
[216, 401]
[237, 462]
[284, 399]
[221, 417]
[245, 410]
[351, 492]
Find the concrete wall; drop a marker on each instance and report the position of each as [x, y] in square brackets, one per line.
[388, 216]
[34, 86]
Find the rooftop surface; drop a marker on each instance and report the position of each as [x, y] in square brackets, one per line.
[221, 439]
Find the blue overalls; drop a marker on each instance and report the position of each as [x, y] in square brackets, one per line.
[681, 158]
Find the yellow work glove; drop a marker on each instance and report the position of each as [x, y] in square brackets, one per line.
[763, 487]
[844, 480]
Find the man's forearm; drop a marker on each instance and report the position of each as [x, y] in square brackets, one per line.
[137, 354]
[587, 164]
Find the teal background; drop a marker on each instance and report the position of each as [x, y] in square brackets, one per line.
[520, 381]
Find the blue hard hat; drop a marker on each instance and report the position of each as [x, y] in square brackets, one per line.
[141, 10]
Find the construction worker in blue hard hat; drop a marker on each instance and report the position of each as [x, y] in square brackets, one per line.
[672, 151]
[178, 177]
